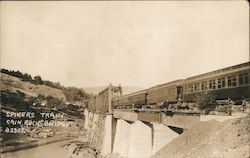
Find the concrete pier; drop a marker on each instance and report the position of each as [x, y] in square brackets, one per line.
[107, 136]
[130, 139]
[140, 140]
[162, 136]
[121, 142]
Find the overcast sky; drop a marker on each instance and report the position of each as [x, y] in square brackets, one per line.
[132, 43]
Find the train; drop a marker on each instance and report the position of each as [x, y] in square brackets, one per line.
[229, 84]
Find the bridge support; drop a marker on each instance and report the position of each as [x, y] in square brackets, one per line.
[129, 139]
[140, 140]
[99, 131]
[107, 136]
[121, 142]
[162, 136]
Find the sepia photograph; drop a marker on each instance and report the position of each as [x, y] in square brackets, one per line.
[125, 79]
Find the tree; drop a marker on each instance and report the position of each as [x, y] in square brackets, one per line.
[27, 77]
[38, 80]
[75, 94]
[204, 100]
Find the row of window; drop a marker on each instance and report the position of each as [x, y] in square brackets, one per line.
[223, 82]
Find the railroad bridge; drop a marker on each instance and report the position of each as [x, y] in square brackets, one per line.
[133, 134]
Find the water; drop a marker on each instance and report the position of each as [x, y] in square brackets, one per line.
[54, 150]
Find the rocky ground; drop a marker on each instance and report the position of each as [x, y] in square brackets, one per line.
[41, 135]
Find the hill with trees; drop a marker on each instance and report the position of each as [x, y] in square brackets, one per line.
[15, 80]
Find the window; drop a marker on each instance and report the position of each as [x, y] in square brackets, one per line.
[246, 78]
[243, 79]
[204, 85]
[212, 84]
[221, 83]
[231, 81]
[197, 87]
[190, 88]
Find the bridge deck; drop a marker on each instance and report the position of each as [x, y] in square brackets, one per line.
[177, 119]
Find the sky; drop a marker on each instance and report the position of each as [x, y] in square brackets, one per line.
[140, 43]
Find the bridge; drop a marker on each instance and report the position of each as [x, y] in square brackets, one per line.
[132, 133]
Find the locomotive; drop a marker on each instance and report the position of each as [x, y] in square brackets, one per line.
[231, 83]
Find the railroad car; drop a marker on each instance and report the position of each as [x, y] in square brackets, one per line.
[120, 102]
[164, 93]
[232, 82]
[137, 98]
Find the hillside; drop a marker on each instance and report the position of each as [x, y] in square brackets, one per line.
[125, 89]
[42, 112]
[12, 84]
[229, 139]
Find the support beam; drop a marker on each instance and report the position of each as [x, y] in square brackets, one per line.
[125, 115]
[181, 121]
